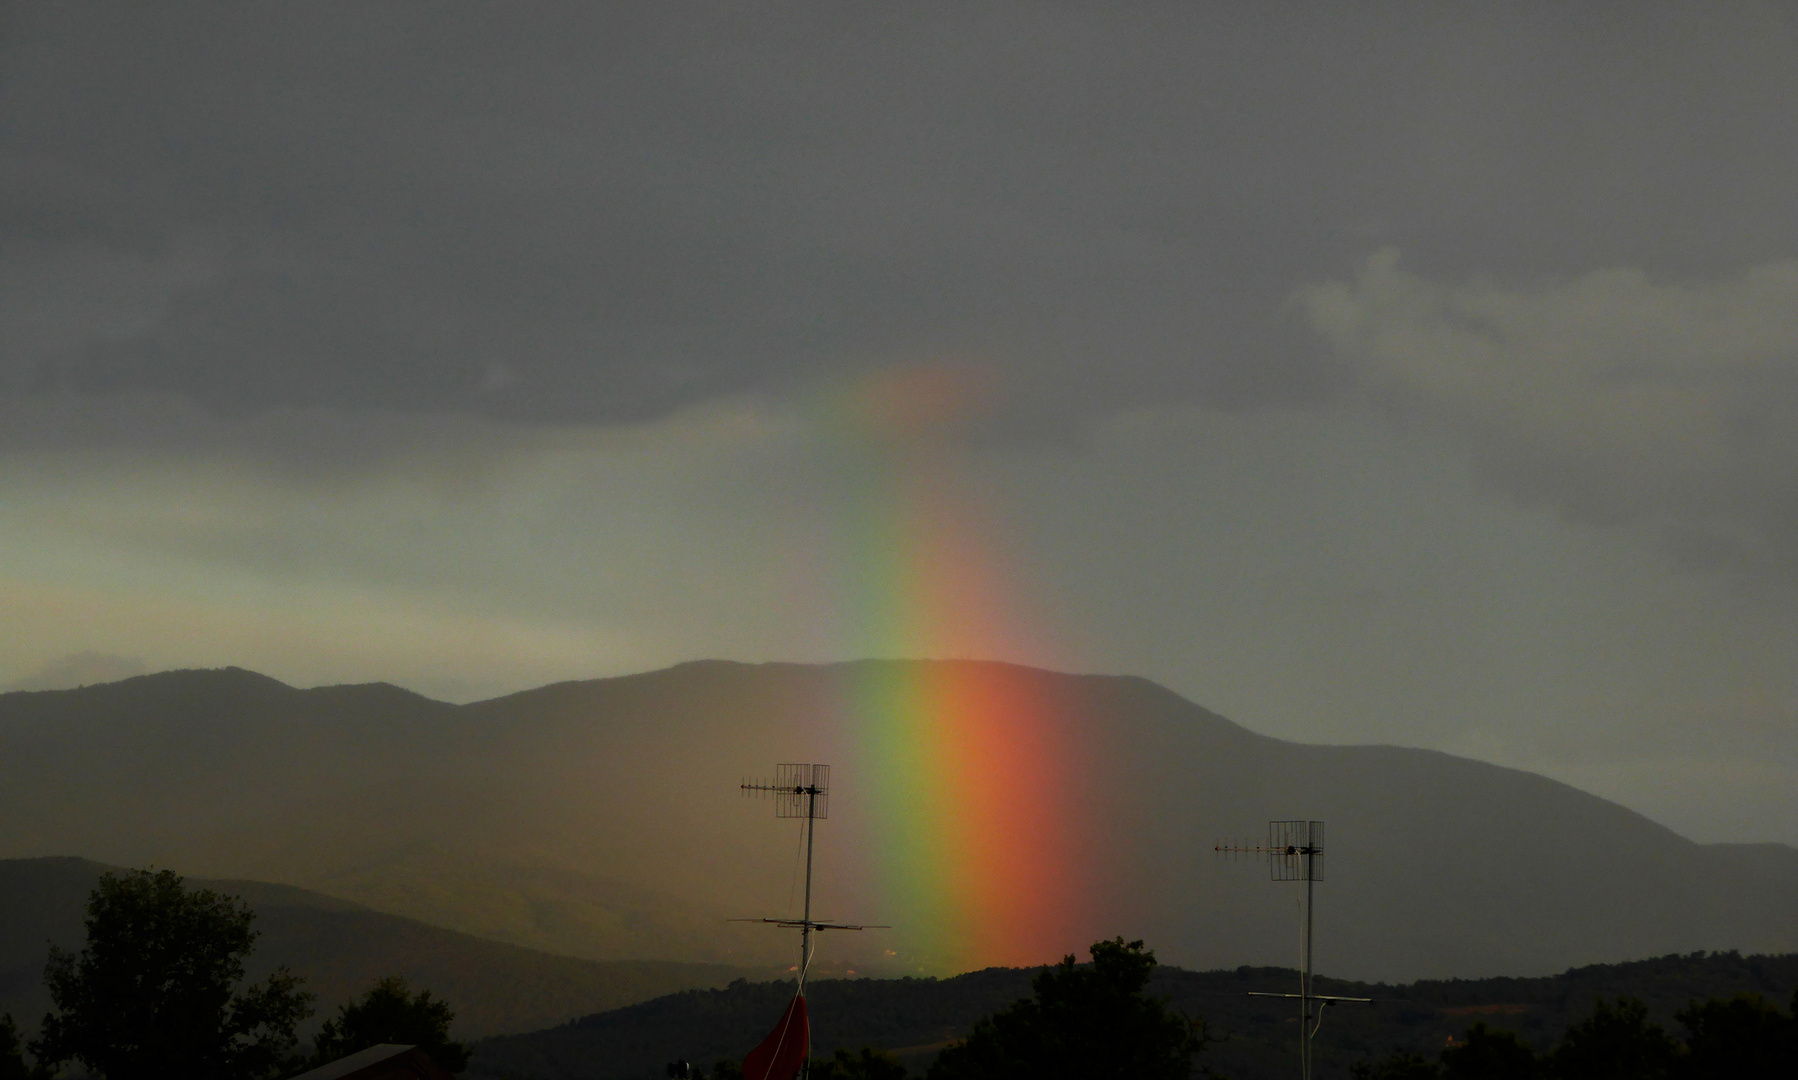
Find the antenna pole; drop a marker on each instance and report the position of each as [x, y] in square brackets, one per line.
[1311, 846]
[805, 929]
[1295, 852]
[802, 791]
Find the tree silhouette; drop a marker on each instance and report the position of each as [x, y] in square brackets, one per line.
[728, 1069]
[1397, 1067]
[12, 1057]
[390, 1013]
[1490, 1054]
[1745, 1035]
[866, 1064]
[1615, 1043]
[1090, 1021]
[152, 993]
[1730, 1039]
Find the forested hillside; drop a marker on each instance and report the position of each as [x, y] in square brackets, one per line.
[915, 1018]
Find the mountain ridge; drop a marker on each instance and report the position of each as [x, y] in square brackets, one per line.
[597, 818]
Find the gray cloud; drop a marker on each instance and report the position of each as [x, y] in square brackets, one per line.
[1614, 397]
[79, 669]
[475, 347]
[582, 213]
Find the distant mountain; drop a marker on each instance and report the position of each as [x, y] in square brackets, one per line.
[915, 1018]
[371, 793]
[342, 949]
[992, 813]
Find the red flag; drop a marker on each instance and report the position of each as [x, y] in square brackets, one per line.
[783, 1051]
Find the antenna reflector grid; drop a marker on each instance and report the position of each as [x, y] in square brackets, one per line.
[1295, 850]
[795, 787]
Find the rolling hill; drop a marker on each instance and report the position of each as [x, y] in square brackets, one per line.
[992, 813]
[341, 948]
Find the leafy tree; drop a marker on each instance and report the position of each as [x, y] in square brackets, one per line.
[1615, 1043]
[1090, 1021]
[867, 1064]
[152, 993]
[1488, 1054]
[1397, 1067]
[12, 1057]
[1742, 1036]
[390, 1013]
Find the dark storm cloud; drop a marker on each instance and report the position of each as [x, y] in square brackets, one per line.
[589, 212]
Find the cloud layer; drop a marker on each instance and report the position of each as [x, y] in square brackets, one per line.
[475, 347]
[1614, 397]
[583, 214]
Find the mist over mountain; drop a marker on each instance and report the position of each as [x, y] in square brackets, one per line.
[602, 819]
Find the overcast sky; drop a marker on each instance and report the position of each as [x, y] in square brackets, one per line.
[1417, 373]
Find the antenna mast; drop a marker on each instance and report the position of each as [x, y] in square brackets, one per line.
[1295, 852]
[802, 791]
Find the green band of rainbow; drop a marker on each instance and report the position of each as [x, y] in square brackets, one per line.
[976, 841]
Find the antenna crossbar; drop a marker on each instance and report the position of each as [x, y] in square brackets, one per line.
[1263, 849]
[813, 924]
[1294, 850]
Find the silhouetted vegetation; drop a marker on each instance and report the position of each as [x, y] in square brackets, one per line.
[728, 1069]
[1744, 1035]
[1488, 1054]
[1083, 1020]
[12, 1056]
[391, 1013]
[341, 950]
[153, 991]
[865, 1064]
[1397, 1067]
[1728, 1039]
[1617, 1042]
[1398, 1037]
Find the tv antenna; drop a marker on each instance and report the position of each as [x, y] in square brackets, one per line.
[799, 791]
[1295, 852]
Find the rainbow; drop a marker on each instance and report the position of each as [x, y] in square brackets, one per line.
[978, 841]
[974, 825]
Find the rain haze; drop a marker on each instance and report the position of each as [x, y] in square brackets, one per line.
[1404, 374]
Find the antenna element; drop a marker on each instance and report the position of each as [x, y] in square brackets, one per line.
[802, 791]
[1295, 852]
